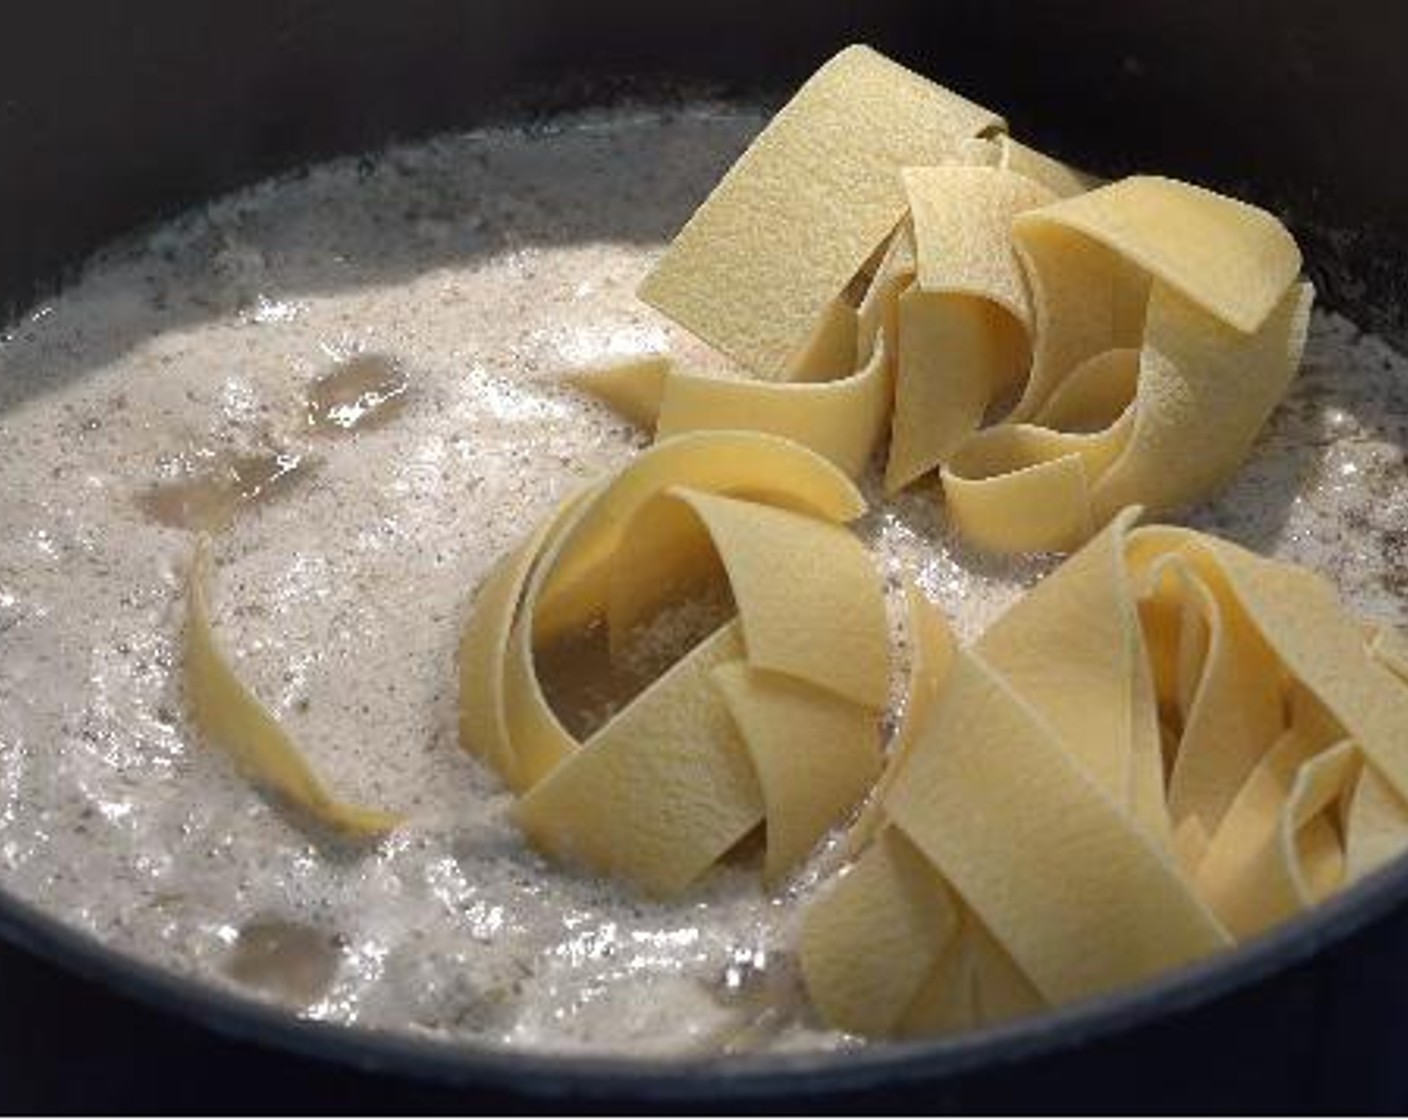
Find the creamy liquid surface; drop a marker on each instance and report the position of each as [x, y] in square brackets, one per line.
[469, 271]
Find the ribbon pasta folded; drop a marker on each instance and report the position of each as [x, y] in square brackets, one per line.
[1167, 326]
[1145, 329]
[772, 720]
[1170, 745]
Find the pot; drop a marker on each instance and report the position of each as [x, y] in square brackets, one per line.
[113, 116]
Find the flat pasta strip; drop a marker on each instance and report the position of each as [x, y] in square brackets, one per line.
[1245, 873]
[988, 787]
[1231, 699]
[1204, 393]
[808, 596]
[633, 386]
[1390, 649]
[947, 1000]
[1086, 299]
[1301, 619]
[776, 470]
[1020, 487]
[837, 413]
[1169, 745]
[831, 349]
[1092, 695]
[962, 221]
[814, 754]
[841, 419]
[799, 214]
[661, 792]
[721, 742]
[964, 326]
[226, 712]
[871, 941]
[1002, 151]
[930, 659]
[1375, 826]
[484, 644]
[877, 317]
[1059, 178]
[1180, 235]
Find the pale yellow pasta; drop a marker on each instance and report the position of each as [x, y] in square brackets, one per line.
[836, 412]
[1232, 259]
[877, 317]
[870, 943]
[1167, 746]
[976, 983]
[773, 470]
[841, 419]
[1035, 787]
[1390, 649]
[633, 387]
[1057, 177]
[1002, 151]
[719, 744]
[226, 712]
[793, 221]
[1376, 825]
[776, 470]
[1204, 393]
[1085, 901]
[962, 232]
[1141, 330]
[1244, 873]
[814, 753]
[1086, 299]
[1018, 488]
[964, 326]
[484, 643]
[947, 1001]
[1097, 695]
[830, 352]
[1230, 693]
[807, 593]
[1204, 287]
[662, 791]
[1301, 619]
[930, 658]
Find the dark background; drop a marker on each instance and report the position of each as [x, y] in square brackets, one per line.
[114, 115]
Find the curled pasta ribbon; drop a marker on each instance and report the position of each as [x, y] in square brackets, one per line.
[771, 720]
[768, 269]
[1145, 328]
[229, 714]
[1167, 325]
[1170, 745]
[841, 418]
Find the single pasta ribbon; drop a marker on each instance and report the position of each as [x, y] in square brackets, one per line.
[771, 720]
[1170, 745]
[224, 710]
[841, 418]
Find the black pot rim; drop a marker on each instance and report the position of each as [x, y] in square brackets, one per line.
[544, 1075]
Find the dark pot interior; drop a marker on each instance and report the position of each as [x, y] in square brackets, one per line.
[112, 116]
